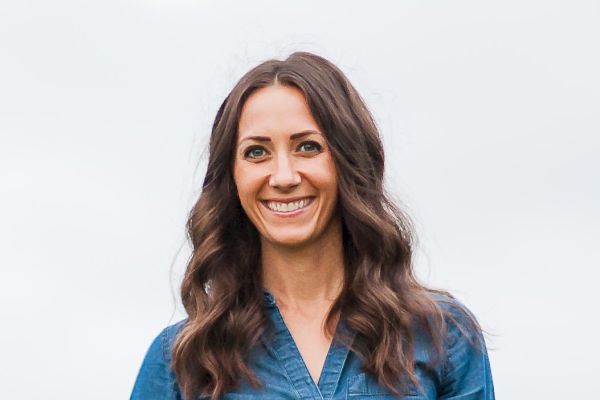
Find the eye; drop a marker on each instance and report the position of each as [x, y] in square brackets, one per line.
[254, 152]
[310, 147]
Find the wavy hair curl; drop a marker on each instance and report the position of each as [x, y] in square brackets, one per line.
[381, 300]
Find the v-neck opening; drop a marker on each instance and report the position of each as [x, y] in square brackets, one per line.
[327, 356]
[331, 369]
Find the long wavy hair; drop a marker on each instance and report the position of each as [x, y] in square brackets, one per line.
[381, 300]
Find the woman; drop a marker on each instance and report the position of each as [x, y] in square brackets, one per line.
[300, 285]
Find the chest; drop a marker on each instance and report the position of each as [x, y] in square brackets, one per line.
[296, 363]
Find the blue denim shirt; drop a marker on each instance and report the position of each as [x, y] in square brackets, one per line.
[464, 374]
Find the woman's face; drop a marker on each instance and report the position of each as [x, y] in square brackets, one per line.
[284, 172]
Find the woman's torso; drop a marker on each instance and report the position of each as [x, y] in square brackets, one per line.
[278, 364]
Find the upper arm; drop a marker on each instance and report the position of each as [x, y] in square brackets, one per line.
[466, 370]
[156, 380]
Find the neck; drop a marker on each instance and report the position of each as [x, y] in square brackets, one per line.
[304, 277]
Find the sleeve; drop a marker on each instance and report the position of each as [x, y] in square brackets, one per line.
[466, 371]
[156, 380]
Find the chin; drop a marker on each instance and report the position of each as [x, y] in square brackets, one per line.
[289, 240]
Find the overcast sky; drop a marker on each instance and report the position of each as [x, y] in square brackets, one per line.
[490, 118]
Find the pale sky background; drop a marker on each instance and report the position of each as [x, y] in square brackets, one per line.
[490, 116]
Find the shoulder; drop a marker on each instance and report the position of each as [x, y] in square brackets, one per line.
[155, 379]
[465, 366]
[460, 321]
[167, 336]
[162, 345]
[461, 325]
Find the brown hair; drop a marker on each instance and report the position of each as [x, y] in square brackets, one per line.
[381, 300]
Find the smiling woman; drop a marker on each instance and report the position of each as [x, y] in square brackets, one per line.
[284, 172]
[301, 283]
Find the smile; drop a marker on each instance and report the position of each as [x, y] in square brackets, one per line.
[290, 207]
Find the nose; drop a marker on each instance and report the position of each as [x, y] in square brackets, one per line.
[284, 174]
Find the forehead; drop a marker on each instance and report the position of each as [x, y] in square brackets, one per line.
[275, 110]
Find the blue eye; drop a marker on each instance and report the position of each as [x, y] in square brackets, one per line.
[310, 147]
[254, 152]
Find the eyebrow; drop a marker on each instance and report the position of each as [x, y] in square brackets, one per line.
[292, 136]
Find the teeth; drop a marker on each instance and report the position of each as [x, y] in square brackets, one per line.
[287, 207]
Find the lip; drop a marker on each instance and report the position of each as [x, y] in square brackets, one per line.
[289, 214]
[288, 200]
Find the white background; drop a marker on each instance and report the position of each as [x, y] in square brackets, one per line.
[490, 116]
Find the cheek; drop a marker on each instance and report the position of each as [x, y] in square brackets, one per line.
[245, 196]
[242, 189]
[247, 183]
[240, 182]
[325, 176]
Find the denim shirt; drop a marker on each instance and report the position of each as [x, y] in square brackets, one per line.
[464, 374]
